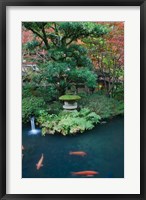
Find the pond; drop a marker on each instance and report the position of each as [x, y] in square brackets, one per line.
[104, 146]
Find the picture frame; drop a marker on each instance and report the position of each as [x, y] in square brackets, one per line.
[3, 100]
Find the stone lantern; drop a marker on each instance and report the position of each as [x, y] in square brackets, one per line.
[70, 101]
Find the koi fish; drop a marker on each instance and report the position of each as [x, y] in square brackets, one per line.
[85, 173]
[22, 147]
[78, 153]
[40, 162]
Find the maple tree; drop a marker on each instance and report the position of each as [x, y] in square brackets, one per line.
[107, 54]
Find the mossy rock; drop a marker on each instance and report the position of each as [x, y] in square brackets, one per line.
[69, 97]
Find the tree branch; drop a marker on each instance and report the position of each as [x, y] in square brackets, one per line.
[45, 38]
[35, 32]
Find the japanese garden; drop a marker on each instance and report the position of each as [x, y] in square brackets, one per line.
[73, 99]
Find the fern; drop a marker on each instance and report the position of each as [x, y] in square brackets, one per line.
[68, 122]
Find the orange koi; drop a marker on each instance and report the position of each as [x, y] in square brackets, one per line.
[78, 153]
[85, 173]
[40, 162]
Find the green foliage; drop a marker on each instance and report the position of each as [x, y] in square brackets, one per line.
[54, 107]
[104, 106]
[67, 123]
[69, 97]
[64, 33]
[48, 93]
[118, 92]
[30, 107]
[77, 55]
[66, 62]
[32, 88]
[31, 45]
[86, 76]
[28, 89]
[82, 29]
[63, 74]
[56, 76]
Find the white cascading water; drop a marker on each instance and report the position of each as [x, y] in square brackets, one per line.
[33, 130]
[32, 123]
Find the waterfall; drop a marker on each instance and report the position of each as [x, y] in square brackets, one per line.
[32, 123]
[33, 130]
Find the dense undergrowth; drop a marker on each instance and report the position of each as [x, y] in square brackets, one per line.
[68, 122]
[53, 119]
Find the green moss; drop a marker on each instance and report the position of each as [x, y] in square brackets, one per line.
[69, 98]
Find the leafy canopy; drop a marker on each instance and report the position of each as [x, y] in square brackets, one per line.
[66, 61]
[64, 33]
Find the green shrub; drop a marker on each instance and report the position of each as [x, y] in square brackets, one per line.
[48, 93]
[119, 92]
[31, 106]
[28, 89]
[54, 107]
[104, 106]
[68, 122]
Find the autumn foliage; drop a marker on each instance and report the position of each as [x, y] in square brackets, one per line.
[115, 41]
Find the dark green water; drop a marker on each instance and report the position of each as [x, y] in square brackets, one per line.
[104, 146]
